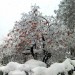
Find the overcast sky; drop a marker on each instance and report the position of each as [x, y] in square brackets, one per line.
[10, 11]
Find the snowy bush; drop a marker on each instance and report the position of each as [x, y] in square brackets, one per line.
[55, 69]
[30, 64]
[73, 63]
[65, 67]
[68, 64]
[36, 67]
[11, 66]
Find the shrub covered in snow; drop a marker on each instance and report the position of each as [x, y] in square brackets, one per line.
[68, 64]
[11, 66]
[56, 68]
[36, 67]
[30, 64]
[65, 68]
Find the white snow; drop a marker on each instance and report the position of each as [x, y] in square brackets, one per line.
[38, 71]
[17, 72]
[36, 62]
[57, 67]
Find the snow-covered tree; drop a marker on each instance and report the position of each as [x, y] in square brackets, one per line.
[40, 37]
[66, 13]
[65, 16]
[28, 36]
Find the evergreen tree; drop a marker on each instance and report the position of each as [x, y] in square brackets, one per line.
[66, 13]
